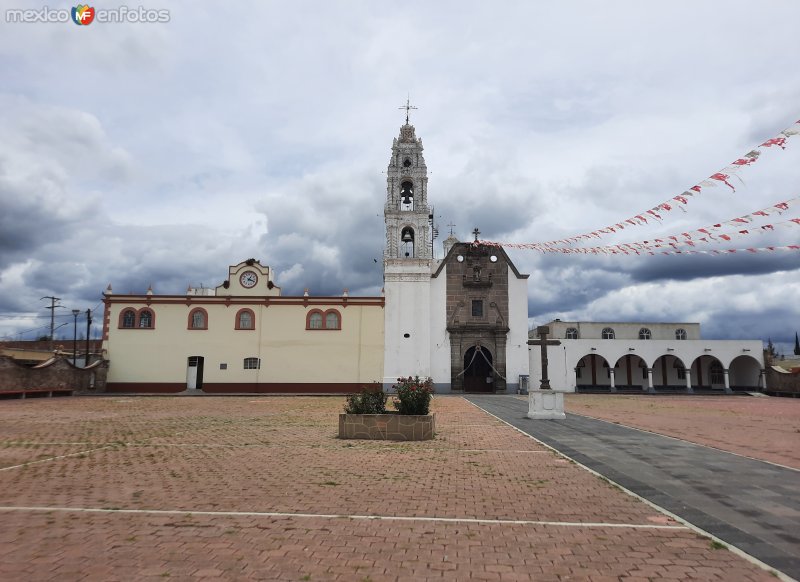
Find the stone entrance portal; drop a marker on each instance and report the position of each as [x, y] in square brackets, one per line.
[478, 376]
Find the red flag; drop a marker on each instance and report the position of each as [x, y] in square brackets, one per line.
[775, 141]
[723, 178]
[681, 199]
[782, 206]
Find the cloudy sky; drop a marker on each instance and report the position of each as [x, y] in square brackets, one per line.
[160, 153]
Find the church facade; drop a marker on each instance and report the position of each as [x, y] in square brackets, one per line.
[462, 319]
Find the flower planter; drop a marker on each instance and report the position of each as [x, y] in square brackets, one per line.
[387, 427]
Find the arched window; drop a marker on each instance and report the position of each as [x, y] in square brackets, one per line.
[252, 363]
[331, 320]
[644, 334]
[245, 319]
[608, 333]
[680, 334]
[572, 333]
[198, 318]
[145, 319]
[128, 318]
[314, 320]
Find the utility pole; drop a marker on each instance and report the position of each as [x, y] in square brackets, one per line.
[88, 330]
[52, 309]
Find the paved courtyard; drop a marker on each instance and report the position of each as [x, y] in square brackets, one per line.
[243, 488]
[762, 428]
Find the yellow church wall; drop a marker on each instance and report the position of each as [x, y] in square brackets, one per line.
[292, 357]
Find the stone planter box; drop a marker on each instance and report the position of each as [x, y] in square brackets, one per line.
[387, 427]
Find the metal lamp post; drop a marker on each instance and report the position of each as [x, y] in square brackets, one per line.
[75, 313]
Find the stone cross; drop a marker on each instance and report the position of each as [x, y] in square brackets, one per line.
[542, 332]
[477, 233]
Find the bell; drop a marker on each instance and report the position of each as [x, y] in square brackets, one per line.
[407, 237]
[407, 199]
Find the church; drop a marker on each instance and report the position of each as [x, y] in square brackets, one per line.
[461, 319]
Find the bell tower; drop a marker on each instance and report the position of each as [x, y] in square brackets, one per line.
[406, 212]
[407, 260]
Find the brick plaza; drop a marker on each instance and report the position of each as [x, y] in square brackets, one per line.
[260, 488]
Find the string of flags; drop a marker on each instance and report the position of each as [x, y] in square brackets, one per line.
[619, 250]
[656, 213]
[715, 233]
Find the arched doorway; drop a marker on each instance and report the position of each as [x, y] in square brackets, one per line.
[478, 376]
[630, 373]
[708, 373]
[745, 374]
[592, 373]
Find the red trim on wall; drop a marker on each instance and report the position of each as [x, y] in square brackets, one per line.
[189, 319]
[233, 388]
[252, 315]
[241, 300]
[106, 319]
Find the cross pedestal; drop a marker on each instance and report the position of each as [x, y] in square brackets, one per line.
[545, 403]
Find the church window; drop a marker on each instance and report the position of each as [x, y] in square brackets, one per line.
[331, 320]
[608, 333]
[252, 363]
[572, 333]
[245, 319]
[146, 319]
[407, 163]
[477, 308]
[717, 373]
[198, 318]
[644, 334]
[680, 334]
[128, 318]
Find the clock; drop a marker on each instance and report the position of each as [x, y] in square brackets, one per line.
[248, 279]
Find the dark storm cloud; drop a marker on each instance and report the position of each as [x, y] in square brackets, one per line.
[677, 268]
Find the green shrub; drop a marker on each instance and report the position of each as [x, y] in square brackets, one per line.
[371, 400]
[413, 395]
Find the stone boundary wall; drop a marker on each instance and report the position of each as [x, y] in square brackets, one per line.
[55, 375]
[387, 427]
[782, 383]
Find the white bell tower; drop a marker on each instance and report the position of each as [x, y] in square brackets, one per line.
[407, 260]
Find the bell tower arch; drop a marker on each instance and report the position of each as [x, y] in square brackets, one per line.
[407, 260]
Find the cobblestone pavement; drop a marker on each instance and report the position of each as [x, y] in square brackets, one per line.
[762, 428]
[260, 488]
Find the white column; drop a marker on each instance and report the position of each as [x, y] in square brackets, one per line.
[611, 376]
[689, 380]
[726, 379]
[650, 380]
[763, 379]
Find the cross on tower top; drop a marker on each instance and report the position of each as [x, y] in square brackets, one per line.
[477, 233]
[407, 107]
[451, 225]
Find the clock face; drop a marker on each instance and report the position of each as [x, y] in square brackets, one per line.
[248, 279]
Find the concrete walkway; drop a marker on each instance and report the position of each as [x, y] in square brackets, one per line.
[749, 504]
